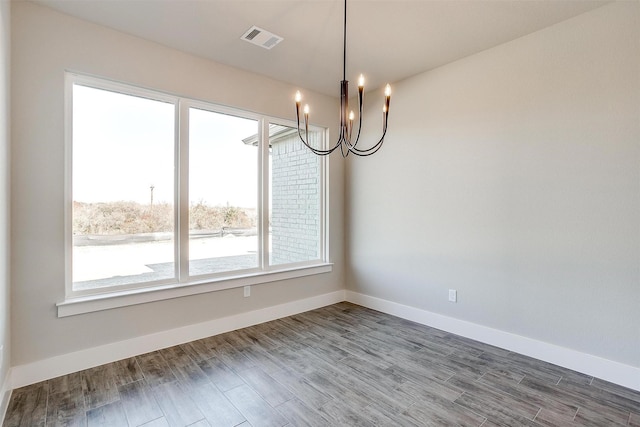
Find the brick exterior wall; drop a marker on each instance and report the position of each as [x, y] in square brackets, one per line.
[295, 196]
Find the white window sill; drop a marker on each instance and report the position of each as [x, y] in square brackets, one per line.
[92, 303]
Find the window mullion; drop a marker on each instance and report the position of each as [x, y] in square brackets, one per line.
[263, 193]
[182, 193]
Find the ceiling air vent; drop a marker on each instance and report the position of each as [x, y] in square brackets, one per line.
[260, 37]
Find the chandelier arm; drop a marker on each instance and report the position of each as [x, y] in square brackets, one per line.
[348, 140]
[373, 149]
[344, 147]
[339, 142]
[316, 151]
[349, 145]
[312, 149]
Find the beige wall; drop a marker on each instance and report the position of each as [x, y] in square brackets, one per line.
[513, 176]
[44, 45]
[4, 195]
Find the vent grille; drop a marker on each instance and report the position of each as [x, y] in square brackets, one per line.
[260, 37]
[252, 34]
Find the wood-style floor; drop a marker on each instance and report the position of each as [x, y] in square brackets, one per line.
[341, 365]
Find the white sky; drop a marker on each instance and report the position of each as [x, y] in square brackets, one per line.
[124, 144]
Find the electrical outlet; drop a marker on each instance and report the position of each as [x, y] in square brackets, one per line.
[247, 291]
[453, 295]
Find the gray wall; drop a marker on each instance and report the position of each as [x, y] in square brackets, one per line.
[44, 45]
[4, 193]
[513, 176]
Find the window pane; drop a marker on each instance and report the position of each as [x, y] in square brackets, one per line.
[295, 197]
[223, 193]
[123, 189]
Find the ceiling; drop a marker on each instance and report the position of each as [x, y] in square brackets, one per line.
[388, 40]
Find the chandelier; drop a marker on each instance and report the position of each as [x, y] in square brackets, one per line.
[345, 142]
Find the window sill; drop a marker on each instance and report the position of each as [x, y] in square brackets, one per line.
[92, 303]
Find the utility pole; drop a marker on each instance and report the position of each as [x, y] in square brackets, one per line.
[151, 204]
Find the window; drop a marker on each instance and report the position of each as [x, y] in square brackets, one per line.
[170, 191]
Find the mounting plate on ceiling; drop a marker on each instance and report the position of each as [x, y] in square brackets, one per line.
[260, 37]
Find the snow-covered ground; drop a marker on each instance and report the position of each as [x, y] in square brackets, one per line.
[96, 263]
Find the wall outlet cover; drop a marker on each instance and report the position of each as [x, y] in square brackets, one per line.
[453, 295]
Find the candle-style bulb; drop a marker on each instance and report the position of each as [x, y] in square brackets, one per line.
[387, 90]
[306, 108]
[352, 116]
[298, 96]
[361, 81]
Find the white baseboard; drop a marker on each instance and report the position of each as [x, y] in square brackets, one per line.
[615, 372]
[5, 395]
[41, 370]
[22, 375]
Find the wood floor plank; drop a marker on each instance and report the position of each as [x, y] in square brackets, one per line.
[480, 397]
[220, 374]
[268, 388]
[329, 351]
[441, 412]
[99, 386]
[383, 379]
[159, 422]
[198, 350]
[253, 337]
[155, 369]
[631, 395]
[184, 368]
[217, 409]
[550, 418]
[302, 388]
[264, 359]
[71, 383]
[622, 400]
[362, 350]
[382, 386]
[378, 415]
[139, 403]
[431, 389]
[257, 411]
[126, 371]
[233, 358]
[588, 417]
[421, 371]
[176, 404]
[300, 415]
[328, 384]
[495, 409]
[569, 397]
[281, 333]
[342, 414]
[109, 415]
[551, 408]
[28, 406]
[66, 408]
[342, 365]
[298, 361]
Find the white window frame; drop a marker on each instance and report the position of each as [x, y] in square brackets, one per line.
[77, 302]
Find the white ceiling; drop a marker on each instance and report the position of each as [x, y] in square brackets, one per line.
[388, 40]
